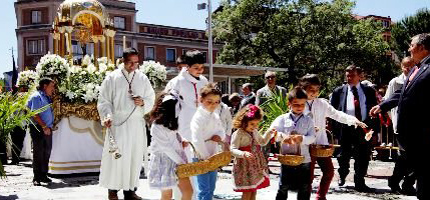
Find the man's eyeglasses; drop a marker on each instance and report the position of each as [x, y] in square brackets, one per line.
[271, 77]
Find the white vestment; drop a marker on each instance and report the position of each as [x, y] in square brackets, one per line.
[189, 88]
[116, 102]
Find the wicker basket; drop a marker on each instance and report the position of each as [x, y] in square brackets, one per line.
[322, 150]
[291, 160]
[201, 167]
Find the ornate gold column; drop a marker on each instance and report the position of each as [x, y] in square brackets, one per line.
[102, 44]
[69, 30]
[96, 50]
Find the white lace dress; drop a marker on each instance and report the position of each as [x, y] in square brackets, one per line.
[166, 153]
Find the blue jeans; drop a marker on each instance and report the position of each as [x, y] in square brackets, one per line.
[206, 185]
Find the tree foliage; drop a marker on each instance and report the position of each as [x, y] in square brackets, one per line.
[305, 36]
[408, 27]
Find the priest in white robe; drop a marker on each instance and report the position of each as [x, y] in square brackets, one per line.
[126, 95]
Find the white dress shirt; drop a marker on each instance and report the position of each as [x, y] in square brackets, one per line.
[319, 109]
[303, 125]
[204, 125]
[350, 108]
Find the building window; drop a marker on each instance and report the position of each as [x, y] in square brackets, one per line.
[205, 56]
[149, 53]
[118, 50]
[386, 24]
[119, 22]
[35, 47]
[36, 17]
[170, 55]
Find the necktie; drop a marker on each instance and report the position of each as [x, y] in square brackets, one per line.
[416, 69]
[356, 103]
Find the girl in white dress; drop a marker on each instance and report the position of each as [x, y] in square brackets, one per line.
[167, 149]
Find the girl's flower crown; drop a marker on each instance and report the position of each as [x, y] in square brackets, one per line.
[252, 109]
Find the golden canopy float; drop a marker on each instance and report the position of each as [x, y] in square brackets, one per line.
[85, 21]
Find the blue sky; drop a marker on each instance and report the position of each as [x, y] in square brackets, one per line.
[184, 13]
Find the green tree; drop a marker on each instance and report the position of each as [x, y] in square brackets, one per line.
[408, 27]
[305, 36]
[13, 113]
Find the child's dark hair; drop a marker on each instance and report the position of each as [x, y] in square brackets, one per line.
[164, 112]
[210, 89]
[297, 93]
[308, 80]
[180, 60]
[246, 114]
[194, 57]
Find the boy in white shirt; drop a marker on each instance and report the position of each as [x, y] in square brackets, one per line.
[297, 132]
[319, 109]
[207, 131]
[188, 84]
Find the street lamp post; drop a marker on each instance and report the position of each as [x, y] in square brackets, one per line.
[209, 26]
[210, 47]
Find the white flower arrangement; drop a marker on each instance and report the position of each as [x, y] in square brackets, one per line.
[155, 72]
[83, 83]
[26, 78]
[52, 65]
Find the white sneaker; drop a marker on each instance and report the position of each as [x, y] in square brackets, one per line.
[383, 145]
[390, 144]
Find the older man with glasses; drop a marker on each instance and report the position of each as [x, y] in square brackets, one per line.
[271, 88]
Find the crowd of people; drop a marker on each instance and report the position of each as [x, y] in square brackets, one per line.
[193, 112]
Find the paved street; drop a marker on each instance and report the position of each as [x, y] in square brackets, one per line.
[18, 186]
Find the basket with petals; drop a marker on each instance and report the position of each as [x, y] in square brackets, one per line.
[317, 150]
[214, 162]
[291, 159]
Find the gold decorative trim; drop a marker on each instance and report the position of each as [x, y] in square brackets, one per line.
[74, 167]
[83, 161]
[65, 109]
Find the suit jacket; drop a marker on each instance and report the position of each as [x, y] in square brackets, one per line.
[338, 101]
[413, 101]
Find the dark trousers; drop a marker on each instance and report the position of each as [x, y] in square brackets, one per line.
[415, 157]
[354, 145]
[42, 145]
[327, 169]
[17, 136]
[403, 170]
[295, 178]
[3, 153]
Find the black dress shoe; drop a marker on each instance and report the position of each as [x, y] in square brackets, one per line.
[46, 180]
[363, 188]
[395, 188]
[408, 191]
[341, 181]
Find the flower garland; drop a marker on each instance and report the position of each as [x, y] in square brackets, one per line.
[83, 83]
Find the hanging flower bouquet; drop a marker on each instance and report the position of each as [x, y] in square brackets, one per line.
[26, 79]
[155, 72]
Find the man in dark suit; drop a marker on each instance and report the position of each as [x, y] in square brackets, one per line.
[354, 99]
[413, 124]
[248, 96]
